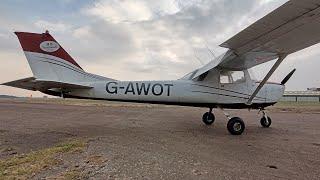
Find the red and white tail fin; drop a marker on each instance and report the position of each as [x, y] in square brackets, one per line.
[49, 61]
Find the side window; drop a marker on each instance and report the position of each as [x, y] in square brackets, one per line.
[238, 76]
[227, 77]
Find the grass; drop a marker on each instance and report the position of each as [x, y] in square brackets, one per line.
[280, 106]
[80, 102]
[25, 166]
[297, 106]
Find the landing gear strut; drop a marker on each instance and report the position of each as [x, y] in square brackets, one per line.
[265, 121]
[235, 125]
[208, 117]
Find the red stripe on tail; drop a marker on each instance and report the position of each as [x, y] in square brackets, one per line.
[31, 42]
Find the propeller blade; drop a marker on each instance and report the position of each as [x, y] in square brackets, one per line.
[286, 79]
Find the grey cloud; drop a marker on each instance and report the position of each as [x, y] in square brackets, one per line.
[8, 42]
[103, 41]
[176, 32]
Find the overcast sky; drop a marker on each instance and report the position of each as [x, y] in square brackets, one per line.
[141, 40]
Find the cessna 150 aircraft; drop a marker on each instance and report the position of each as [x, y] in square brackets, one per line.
[222, 83]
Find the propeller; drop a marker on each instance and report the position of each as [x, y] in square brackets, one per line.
[286, 79]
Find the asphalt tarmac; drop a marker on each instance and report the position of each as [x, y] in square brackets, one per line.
[163, 142]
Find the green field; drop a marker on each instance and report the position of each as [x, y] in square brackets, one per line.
[297, 106]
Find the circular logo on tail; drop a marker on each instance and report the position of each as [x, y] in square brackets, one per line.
[49, 46]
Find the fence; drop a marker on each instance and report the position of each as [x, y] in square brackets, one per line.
[299, 96]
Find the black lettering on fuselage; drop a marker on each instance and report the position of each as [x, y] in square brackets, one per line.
[139, 88]
[143, 88]
[130, 89]
[157, 91]
[168, 90]
[112, 89]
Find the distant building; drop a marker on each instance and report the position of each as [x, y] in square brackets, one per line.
[301, 96]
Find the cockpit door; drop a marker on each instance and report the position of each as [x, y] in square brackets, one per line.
[234, 86]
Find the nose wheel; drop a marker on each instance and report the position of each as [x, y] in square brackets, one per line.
[208, 118]
[265, 121]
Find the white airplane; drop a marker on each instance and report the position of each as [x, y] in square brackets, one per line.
[222, 83]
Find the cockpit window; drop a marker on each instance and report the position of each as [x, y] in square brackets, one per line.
[232, 77]
[237, 76]
[225, 79]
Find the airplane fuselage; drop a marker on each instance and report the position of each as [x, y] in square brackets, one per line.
[182, 92]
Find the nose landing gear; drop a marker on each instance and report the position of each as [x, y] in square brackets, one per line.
[265, 121]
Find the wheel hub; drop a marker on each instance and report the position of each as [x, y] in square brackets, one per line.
[208, 118]
[237, 126]
[267, 121]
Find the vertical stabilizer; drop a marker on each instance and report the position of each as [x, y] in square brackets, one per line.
[49, 61]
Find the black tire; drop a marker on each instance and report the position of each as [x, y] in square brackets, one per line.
[236, 126]
[265, 122]
[208, 118]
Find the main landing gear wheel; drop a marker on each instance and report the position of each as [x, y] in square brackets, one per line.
[208, 118]
[265, 121]
[236, 126]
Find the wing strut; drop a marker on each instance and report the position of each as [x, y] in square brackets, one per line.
[266, 78]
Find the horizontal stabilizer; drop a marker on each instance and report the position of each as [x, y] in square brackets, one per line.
[26, 83]
[34, 84]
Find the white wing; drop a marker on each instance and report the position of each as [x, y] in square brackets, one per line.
[290, 28]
